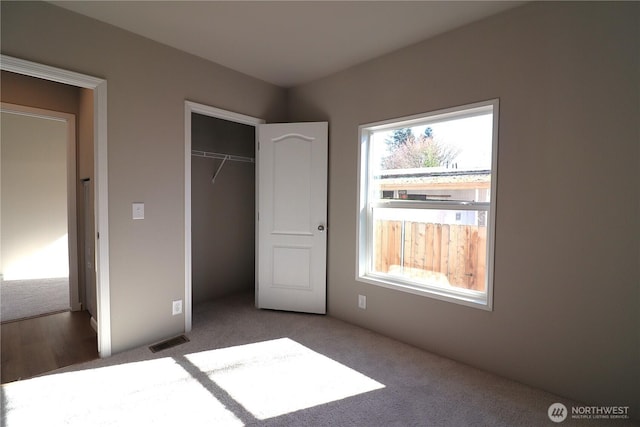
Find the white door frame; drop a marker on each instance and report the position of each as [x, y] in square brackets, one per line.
[99, 87]
[72, 225]
[206, 110]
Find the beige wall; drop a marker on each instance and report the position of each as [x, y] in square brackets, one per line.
[566, 301]
[32, 92]
[85, 134]
[147, 86]
[34, 231]
[85, 165]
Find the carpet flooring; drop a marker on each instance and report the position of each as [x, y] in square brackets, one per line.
[243, 366]
[20, 299]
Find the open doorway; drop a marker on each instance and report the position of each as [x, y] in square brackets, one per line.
[46, 321]
[38, 255]
[98, 130]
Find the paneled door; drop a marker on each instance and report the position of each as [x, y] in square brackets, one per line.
[292, 217]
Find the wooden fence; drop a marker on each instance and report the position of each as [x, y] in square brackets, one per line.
[449, 254]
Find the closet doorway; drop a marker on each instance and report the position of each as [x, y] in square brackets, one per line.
[220, 200]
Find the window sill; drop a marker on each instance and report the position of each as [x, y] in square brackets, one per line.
[457, 297]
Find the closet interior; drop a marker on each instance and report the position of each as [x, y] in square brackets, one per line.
[222, 207]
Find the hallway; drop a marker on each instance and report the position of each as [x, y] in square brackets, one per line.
[33, 346]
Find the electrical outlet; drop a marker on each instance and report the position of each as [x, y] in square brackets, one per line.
[176, 307]
[362, 302]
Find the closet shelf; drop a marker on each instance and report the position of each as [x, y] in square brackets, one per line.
[221, 156]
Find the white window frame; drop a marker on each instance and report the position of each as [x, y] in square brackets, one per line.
[364, 268]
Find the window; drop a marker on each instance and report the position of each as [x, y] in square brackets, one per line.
[427, 203]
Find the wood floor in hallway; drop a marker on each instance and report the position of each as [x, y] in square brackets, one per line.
[34, 346]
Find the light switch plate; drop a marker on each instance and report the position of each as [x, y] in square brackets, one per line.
[138, 211]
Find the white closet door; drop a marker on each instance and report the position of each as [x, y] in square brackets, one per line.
[292, 223]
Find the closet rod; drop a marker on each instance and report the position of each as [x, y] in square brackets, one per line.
[220, 156]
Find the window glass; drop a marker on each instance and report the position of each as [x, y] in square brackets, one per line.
[426, 217]
[448, 160]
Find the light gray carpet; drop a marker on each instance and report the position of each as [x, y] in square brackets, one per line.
[245, 366]
[21, 299]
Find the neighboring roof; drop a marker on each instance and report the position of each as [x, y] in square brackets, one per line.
[419, 178]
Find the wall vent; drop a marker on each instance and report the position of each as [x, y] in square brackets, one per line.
[168, 343]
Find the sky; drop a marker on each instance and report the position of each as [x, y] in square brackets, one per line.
[472, 135]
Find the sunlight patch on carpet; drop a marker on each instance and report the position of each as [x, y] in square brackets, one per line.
[230, 386]
[277, 377]
[154, 392]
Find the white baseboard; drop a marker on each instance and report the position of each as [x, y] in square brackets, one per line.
[94, 324]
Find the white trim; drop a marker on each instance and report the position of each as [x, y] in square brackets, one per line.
[72, 224]
[40, 113]
[187, 218]
[219, 113]
[491, 248]
[99, 86]
[46, 72]
[445, 114]
[430, 292]
[364, 230]
[206, 110]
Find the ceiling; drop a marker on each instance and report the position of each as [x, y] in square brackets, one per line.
[291, 42]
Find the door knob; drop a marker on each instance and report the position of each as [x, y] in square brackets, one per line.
[321, 228]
